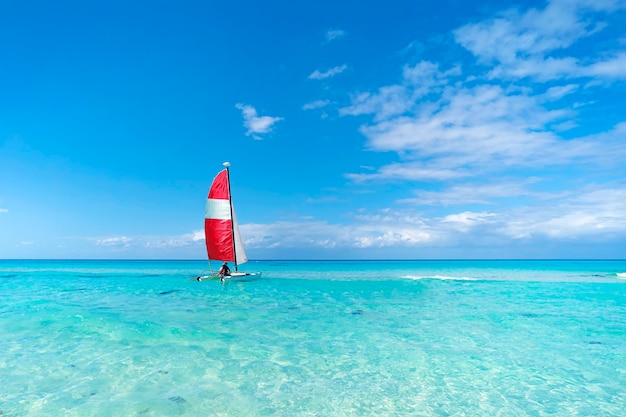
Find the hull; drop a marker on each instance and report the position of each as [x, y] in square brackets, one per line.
[235, 276]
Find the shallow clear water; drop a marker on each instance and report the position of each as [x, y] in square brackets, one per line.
[419, 338]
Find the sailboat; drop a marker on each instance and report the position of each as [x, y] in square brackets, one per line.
[221, 230]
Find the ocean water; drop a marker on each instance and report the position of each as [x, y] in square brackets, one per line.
[366, 338]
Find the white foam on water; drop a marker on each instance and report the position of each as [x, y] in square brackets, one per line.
[439, 277]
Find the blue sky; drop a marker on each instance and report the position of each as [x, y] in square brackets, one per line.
[355, 129]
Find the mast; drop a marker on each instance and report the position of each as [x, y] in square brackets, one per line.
[232, 217]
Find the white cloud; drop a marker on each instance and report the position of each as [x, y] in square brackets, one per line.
[471, 131]
[196, 235]
[412, 171]
[3, 210]
[166, 242]
[555, 93]
[467, 220]
[593, 213]
[286, 234]
[542, 69]
[334, 34]
[318, 75]
[256, 124]
[151, 242]
[118, 241]
[444, 128]
[317, 104]
[388, 101]
[417, 82]
[474, 194]
[380, 230]
[519, 44]
[613, 67]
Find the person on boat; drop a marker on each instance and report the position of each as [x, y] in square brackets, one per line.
[224, 271]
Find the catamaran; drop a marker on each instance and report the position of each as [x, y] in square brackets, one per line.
[221, 230]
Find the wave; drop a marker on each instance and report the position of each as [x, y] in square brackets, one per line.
[621, 275]
[439, 277]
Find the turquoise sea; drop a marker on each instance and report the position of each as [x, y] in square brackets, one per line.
[349, 338]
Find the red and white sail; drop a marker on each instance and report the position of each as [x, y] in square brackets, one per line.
[223, 241]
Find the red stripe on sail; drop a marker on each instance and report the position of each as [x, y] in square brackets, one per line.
[218, 233]
[219, 239]
[219, 188]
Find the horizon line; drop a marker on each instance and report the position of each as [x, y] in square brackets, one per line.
[314, 260]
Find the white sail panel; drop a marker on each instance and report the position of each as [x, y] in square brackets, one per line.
[217, 209]
[240, 252]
